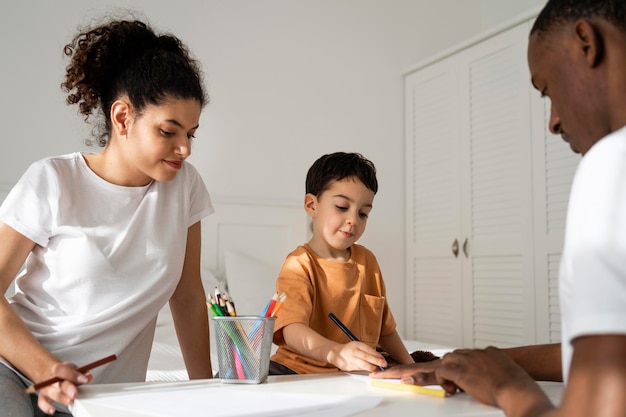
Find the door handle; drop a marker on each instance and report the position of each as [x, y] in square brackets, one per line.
[455, 248]
[465, 248]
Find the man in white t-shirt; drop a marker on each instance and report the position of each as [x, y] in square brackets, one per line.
[577, 58]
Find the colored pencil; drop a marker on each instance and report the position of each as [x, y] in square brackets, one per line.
[36, 387]
[230, 308]
[270, 306]
[217, 311]
[238, 363]
[279, 304]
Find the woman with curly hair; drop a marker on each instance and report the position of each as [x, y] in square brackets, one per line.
[107, 238]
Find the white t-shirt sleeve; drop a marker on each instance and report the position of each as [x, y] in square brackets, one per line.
[200, 201]
[594, 273]
[29, 206]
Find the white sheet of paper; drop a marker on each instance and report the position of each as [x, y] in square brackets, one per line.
[217, 400]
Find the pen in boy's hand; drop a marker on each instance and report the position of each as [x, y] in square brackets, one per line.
[36, 387]
[347, 331]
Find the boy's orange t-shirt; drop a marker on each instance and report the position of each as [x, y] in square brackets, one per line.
[353, 291]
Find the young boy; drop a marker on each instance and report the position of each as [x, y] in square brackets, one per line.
[332, 274]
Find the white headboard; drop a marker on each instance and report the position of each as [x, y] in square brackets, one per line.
[246, 242]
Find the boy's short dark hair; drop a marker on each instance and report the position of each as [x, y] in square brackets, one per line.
[557, 12]
[337, 166]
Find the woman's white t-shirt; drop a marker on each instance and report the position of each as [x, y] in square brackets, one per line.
[106, 259]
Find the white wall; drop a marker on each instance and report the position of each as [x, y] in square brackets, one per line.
[289, 80]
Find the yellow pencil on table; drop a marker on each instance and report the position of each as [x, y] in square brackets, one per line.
[36, 387]
[397, 385]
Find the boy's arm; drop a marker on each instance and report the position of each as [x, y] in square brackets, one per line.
[353, 356]
[393, 345]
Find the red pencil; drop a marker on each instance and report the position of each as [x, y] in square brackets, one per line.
[270, 306]
[36, 387]
[279, 304]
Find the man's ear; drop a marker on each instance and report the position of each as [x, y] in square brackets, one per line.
[310, 204]
[591, 42]
[121, 111]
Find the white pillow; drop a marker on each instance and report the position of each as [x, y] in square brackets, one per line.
[251, 283]
[209, 282]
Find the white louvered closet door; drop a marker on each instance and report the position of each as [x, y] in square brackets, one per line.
[487, 192]
[554, 165]
[433, 218]
[499, 293]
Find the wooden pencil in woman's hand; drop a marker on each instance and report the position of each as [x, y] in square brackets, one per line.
[36, 387]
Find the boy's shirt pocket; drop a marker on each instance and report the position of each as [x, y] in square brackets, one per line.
[371, 318]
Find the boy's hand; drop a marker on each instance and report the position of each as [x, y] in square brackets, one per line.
[419, 373]
[356, 356]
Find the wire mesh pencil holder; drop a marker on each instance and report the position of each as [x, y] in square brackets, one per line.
[244, 344]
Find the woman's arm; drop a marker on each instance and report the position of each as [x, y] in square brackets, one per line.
[189, 311]
[352, 356]
[21, 349]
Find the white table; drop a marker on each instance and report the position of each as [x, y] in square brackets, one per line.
[104, 400]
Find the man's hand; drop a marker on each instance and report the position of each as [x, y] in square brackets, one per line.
[493, 378]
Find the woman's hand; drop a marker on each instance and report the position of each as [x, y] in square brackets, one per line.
[63, 392]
